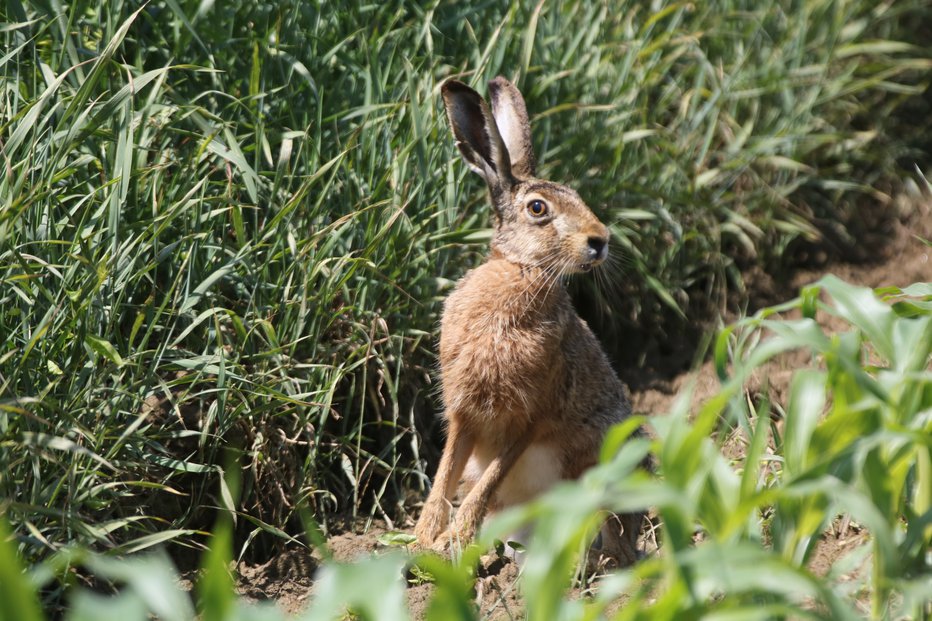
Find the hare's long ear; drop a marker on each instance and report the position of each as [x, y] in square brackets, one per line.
[510, 114]
[476, 135]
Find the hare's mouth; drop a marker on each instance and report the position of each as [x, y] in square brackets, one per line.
[588, 266]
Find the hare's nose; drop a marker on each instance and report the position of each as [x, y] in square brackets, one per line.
[598, 248]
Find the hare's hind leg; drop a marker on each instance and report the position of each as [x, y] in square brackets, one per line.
[436, 513]
[616, 543]
[474, 506]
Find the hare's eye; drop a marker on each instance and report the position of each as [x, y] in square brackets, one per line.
[537, 208]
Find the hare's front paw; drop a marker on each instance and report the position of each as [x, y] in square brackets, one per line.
[433, 521]
[456, 537]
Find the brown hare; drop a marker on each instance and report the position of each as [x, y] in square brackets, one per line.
[528, 391]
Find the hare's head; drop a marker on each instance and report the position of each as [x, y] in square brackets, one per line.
[537, 223]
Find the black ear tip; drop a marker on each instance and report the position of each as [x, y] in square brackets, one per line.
[499, 81]
[455, 87]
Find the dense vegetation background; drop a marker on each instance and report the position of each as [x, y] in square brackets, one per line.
[227, 228]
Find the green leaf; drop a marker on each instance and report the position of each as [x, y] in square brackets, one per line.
[805, 408]
[861, 308]
[871, 48]
[395, 538]
[372, 588]
[147, 541]
[453, 590]
[17, 594]
[104, 348]
[148, 578]
[617, 435]
[912, 341]
[215, 588]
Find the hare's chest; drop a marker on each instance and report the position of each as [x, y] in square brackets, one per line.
[496, 369]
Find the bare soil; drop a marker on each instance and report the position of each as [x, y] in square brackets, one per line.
[289, 578]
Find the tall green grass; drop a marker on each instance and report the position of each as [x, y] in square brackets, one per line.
[226, 230]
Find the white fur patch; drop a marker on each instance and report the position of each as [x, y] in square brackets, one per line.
[536, 471]
[563, 227]
[510, 129]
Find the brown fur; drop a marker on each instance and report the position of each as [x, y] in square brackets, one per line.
[523, 376]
